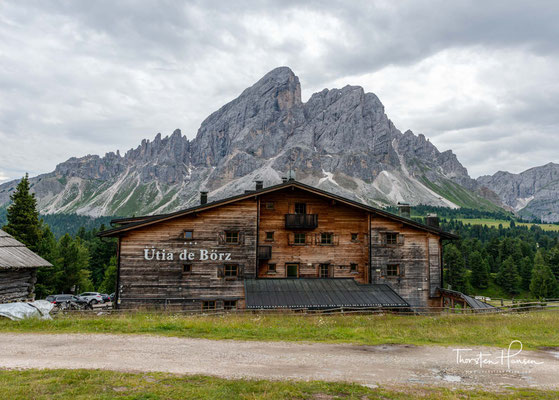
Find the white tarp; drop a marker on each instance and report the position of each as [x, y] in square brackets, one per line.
[35, 309]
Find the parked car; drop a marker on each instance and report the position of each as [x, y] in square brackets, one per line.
[91, 297]
[112, 296]
[106, 297]
[67, 301]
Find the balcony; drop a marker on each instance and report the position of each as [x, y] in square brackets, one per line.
[301, 221]
[264, 252]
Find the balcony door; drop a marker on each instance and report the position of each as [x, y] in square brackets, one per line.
[292, 270]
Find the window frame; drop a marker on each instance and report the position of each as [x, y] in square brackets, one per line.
[353, 267]
[227, 237]
[391, 238]
[206, 305]
[300, 204]
[321, 269]
[228, 269]
[272, 270]
[269, 238]
[356, 238]
[185, 270]
[270, 205]
[330, 242]
[234, 302]
[299, 235]
[389, 267]
[185, 232]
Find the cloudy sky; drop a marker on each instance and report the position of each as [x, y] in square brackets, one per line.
[88, 77]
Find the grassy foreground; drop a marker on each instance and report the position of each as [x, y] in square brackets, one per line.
[96, 384]
[535, 329]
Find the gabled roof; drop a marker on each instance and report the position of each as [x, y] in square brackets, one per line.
[137, 222]
[14, 254]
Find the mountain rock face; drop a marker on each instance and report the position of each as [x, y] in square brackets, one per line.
[339, 140]
[533, 193]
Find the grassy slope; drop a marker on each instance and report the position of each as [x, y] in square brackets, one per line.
[89, 384]
[496, 222]
[534, 329]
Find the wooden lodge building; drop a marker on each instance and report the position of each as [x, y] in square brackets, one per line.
[284, 246]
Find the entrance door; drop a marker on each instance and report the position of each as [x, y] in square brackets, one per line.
[292, 270]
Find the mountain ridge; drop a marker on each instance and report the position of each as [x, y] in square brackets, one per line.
[340, 140]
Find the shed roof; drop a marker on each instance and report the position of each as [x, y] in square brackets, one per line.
[318, 293]
[471, 301]
[14, 254]
[137, 222]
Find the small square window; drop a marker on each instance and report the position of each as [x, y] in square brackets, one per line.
[300, 208]
[391, 238]
[231, 237]
[300, 238]
[188, 234]
[271, 267]
[269, 236]
[208, 305]
[392, 270]
[231, 270]
[326, 238]
[187, 268]
[354, 237]
[270, 205]
[229, 304]
[353, 267]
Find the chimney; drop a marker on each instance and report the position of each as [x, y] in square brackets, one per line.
[259, 185]
[284, 179]
[404, 210]
[203, 197]
[432, 220]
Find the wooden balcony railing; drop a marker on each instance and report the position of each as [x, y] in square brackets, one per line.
[301, 221]
[264, 252]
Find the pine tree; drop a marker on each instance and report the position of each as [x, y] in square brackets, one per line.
[73, 274]
[543, 282]
[480, 270]
[525, 270]
[456, 271]
[554, 261]
[47, 276]
[508, 277]
[23, 218]
[109, 281]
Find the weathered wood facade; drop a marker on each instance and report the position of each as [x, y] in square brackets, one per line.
[200, 257]
[18, 270]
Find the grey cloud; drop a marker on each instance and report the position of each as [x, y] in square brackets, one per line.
[92, 77]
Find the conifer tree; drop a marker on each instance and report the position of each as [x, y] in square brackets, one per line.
[23, 218]
[508, 277]
[543, 282]
[456, 272]
[480, 270]
[525, 269]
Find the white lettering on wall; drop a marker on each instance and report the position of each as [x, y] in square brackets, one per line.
[151, 254]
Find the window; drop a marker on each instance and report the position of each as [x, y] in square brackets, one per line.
[229, 304]
[324, 271]
[208, 305]
[300, 208]
[231, 237]
[231, 270]
[271, 267]
[187, 268]
[269, 205]
[269, 236]
[353, 267]
[354, 237]
[391, 238]
[188, 234]
[326, 238]
[300, 238]
[392, 270]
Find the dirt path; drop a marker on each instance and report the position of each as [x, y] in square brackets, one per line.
[386, 364]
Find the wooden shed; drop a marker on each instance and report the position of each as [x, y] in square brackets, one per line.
[18, 270]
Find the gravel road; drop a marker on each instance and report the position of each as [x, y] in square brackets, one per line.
[384, 364]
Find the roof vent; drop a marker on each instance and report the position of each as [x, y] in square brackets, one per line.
[404, 210]
[259, 185]
[432, 220]
[203, 197]
[284, 179]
